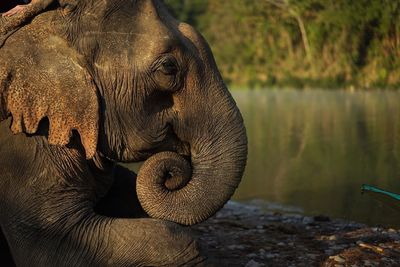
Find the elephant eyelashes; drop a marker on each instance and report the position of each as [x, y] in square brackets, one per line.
[166, 73]
[169, 67]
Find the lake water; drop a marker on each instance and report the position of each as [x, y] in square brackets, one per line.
[314, 149]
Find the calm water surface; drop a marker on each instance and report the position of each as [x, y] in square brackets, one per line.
[314, 149]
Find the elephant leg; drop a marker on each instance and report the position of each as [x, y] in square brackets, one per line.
[102, 241]
[48, 219]
[121, 200]
[147, 242]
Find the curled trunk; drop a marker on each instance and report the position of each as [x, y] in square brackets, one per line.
[171, 188]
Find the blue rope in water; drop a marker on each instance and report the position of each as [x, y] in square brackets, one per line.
[371, 188]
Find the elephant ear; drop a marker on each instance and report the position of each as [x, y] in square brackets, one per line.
[51, 82]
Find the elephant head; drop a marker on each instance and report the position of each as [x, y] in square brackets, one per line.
[145, 87]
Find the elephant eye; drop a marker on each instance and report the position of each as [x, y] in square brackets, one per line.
[166, 73]
[169, 67]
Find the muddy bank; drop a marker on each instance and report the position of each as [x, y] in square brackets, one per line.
[248, 235]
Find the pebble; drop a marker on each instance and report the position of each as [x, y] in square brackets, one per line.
[312, 256]
[308, 220]
[253, 263]
[220, 215]
[233, 247]
[368, 263]
[382, 245]
[337, 258]
[332, 238]
[270, 256]
[287, 247]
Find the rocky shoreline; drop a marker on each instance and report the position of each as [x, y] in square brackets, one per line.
[251, 236]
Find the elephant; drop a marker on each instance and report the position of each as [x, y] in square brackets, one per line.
[88, 85]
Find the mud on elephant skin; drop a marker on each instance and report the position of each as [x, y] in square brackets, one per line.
[92, 83]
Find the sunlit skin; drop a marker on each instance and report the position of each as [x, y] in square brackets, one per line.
[16, 10]
[20, 9]
[92, 83]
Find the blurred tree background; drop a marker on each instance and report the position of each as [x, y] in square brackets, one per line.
[300, 43]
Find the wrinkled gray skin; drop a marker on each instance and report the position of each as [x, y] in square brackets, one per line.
[158, 89]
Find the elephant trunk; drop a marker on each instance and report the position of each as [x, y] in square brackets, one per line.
[171, 188]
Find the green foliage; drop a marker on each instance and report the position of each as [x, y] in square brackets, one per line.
[187, 10]
[306, 43]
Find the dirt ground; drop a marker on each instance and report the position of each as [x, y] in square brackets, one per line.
[251, 236]
[247, 235]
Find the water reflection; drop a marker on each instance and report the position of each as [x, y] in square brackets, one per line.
[314, 149]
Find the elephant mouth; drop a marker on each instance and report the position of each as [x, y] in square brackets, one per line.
[169, 143]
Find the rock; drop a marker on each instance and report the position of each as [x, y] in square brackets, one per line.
[285, 241]
[262, 251]
[312, 256]
[233, 247]
[270, 256]
[253, 263]
[220, 215]
[308, 220]
[288, 229]
[337, 258]
[368, 263]
[332, 238]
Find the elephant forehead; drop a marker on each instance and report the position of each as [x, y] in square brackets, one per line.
[122, 49]
[134, 34]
